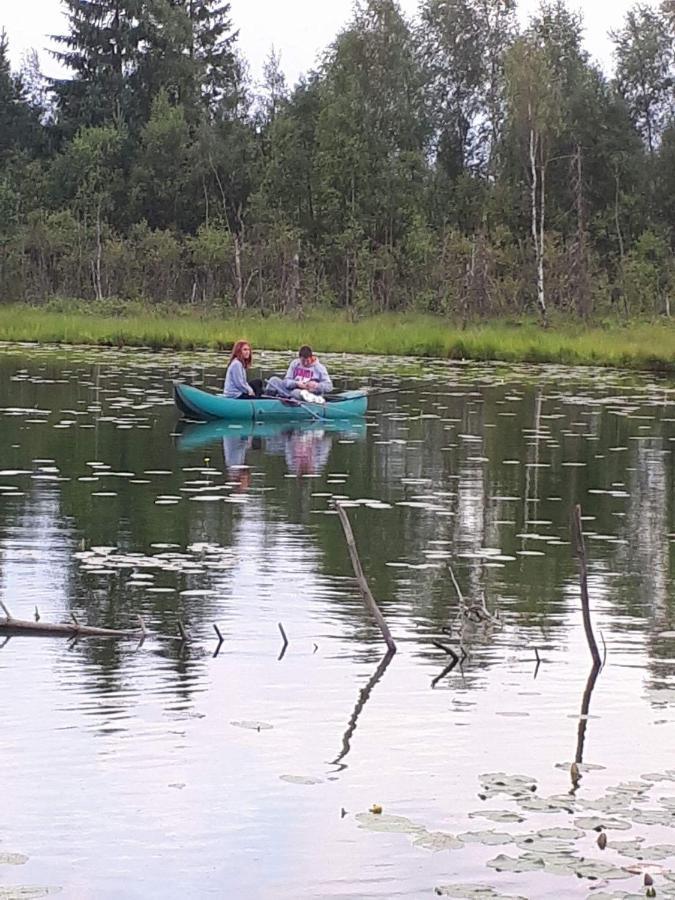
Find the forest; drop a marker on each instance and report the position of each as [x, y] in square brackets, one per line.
[456, 163]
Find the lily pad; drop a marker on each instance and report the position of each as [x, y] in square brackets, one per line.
[379, 822]
[497, 815]
[13, 859]
[564, 834]
[598, 823]
[301, 779]
[26, 892]
[593, 868]
[544, 846]
[525, 863]
[473, 892]
[253, 726]
[489, 838]
[437, 841]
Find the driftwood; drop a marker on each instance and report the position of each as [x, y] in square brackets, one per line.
[583, 579]
[368, 598]
[10, 625]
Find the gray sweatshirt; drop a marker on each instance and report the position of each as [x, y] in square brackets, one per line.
[236, 382]
[314, 372]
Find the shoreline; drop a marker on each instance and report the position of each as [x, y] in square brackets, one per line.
[636, 346]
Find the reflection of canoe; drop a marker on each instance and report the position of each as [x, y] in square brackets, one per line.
[195, 435]
[196, 404]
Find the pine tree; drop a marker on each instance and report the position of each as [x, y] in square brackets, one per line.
[19, 121]
[213, 48]
[102, 49]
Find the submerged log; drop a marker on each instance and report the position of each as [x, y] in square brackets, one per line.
[10, 625]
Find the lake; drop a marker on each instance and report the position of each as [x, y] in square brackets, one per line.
[324, 769]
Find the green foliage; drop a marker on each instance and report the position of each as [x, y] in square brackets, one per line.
[410, 171]
[648, 275]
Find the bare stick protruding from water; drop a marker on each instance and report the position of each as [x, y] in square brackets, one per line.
[182, 631]
[583, 578]
[285, 640]
[368, 598]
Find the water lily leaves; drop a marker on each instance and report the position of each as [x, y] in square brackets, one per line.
[593, 868]
[528, 862]
[385, 822]
[668, 775]
[548, 804]
[616, 895]
[544, 845]
[564, 834]
[437, 841]
[500, 783]
[497, 815]
[627, 848]
[658, 851]
[13, 859]
[473, 892]
[26, 893]
[488, 837]
[583, 767]
[301, 779]
[253, 725]
[598, 823]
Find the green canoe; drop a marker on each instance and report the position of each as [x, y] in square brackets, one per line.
[197, 404]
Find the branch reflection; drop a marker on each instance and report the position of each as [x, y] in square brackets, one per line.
[360, 703]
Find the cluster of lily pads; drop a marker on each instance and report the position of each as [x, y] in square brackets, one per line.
[553, 850]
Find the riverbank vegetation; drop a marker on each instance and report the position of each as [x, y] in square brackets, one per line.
[646, 345]
[455, 164]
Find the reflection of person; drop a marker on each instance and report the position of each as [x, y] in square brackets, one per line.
[234, 452]
[305, 373]
[307, 452]
[237, 385]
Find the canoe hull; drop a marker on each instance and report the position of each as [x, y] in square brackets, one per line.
[197, 404]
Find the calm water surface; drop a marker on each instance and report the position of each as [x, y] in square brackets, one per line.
[165, 770]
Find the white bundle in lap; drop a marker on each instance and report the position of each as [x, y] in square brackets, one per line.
[309, 397]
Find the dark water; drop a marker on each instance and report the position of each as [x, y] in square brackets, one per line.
[164, 770]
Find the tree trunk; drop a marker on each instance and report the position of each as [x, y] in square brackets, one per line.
[239, 281]
[294, 282]
[98, 290]
[537, 223]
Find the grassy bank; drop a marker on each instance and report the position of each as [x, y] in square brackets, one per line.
[636, 345]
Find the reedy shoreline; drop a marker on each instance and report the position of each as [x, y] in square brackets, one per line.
[633, 345]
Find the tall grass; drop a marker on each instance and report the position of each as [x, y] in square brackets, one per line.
[639, 345]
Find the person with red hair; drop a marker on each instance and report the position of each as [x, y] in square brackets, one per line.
[237, 385]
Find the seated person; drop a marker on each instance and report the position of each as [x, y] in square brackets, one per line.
[305, 373]
[237, 385]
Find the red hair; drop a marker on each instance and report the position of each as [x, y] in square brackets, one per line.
[237, 354]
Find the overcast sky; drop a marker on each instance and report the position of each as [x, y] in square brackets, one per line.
[298, 29]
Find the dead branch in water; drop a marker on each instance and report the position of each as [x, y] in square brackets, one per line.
[583, 579]
[66, 629]
[368, 598]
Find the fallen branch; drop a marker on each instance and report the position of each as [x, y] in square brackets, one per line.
[583, 578]
[66, 629]
[368, 598]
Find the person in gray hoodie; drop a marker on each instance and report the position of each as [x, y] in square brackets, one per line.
[305, 373]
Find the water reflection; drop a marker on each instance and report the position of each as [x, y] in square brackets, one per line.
[109, 508]
[305, 446]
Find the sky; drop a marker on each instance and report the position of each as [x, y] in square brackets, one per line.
[298, 29]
